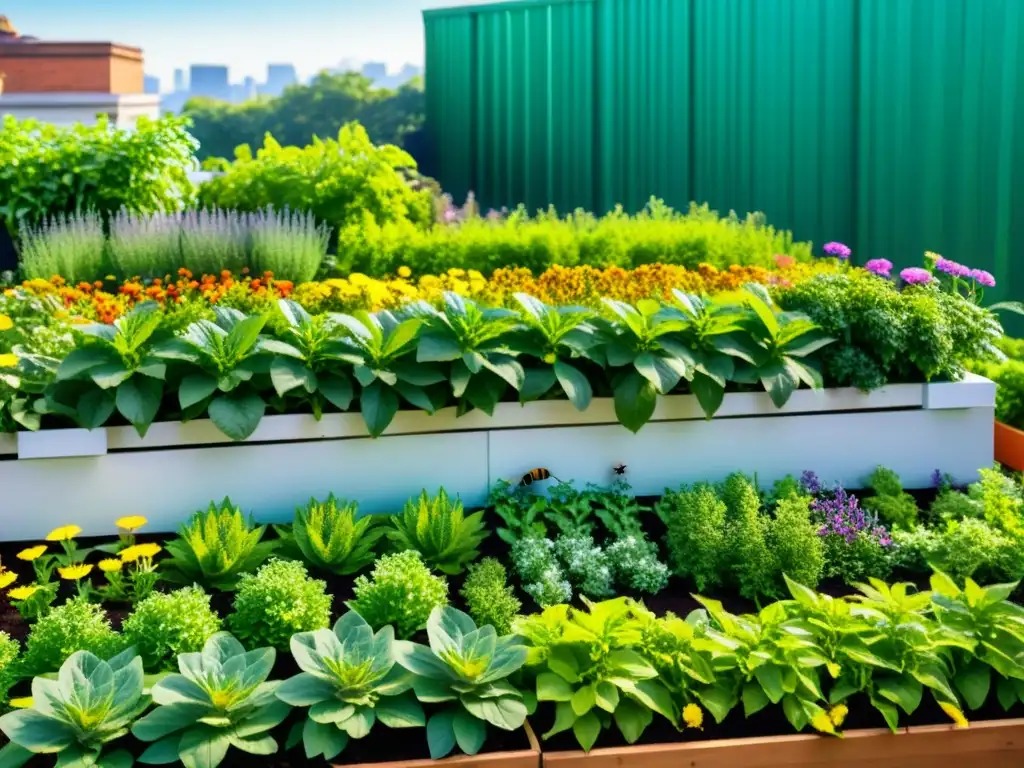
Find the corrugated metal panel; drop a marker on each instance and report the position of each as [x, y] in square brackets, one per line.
[773, 111]
[643, 56]
[941, 133]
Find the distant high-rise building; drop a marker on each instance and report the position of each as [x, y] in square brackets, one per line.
[249, 89]
[209, 80]
[179, 80]
[150, 84]
[375, 70]
[279, 77]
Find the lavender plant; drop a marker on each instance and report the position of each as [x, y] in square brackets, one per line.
[70, 246]
[856, 544]
[288, 244]
[213, 241]
[144, 246]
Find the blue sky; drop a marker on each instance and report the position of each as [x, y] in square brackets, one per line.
[244, 34]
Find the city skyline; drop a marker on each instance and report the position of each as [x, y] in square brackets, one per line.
[244, 35]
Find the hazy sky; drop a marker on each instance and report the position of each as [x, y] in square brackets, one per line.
[244, 34]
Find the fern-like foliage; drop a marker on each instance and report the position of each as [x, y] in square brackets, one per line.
[440, 531]
[214, 548]
[332, 536]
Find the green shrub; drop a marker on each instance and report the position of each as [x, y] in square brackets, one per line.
[747, 555]
[276, 602]
[1009, 378]
[635, 564]
[857, 560]
[914, 549]
[70, 246]
[1001, 500]
[401, 591]
[145, 246]
[440, 531]
[953, 505]
[332, 536]
[290, 245]
[585, 564]
[794, 542]
[488, 597]
[47, 170]
[892, 506]
[658, 234]
[165, 625]
[539, 571]
[337, 181]
[695, 519]
[9, 667]
[75, 626]
[970, 548]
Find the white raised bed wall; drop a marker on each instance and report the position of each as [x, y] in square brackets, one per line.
[91, 478]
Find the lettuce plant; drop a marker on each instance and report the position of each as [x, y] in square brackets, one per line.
[466, 668]
[91, 704]
[440, 531]
[400, 591]
[216, 547]
[220, 699]
[332, 536]
[276, 602]
[349, 681]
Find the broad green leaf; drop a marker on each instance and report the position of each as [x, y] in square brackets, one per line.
[110, 375]
[378, 404]
[906, 693]
[470, 733]
[95, 407]
[632, 719]
[754, 699]
[36, 732]
[237, 414]
[433, 347]
[552, 687]
[575, 385]
[662, 372]
[195, 388]
[708, 393]
[165, 720]
[770, 678]
[337, 389]
[82, 360]
[587, 729]
[161, 752]
[400, 712]
[138, 400]
[203, 747]
[320, 740]
[441, 734]
[635, 400]
[606, 696]
[287, 373]
[583, 700]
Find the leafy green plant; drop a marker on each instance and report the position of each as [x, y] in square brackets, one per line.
[77, 625]
[523, 514]
[220, 699]
[793, 540]
[214, 548]
[468, 667]
[585, 564]
[489, 599]
[122, 369]
[749, 559]
[440, 531]
[332, 536]
[10, 649]
[276, 602]
[91, 704]
[635, 564]
[349, 681]
[695, 518]
[891, 504]
[539, 571]
[225, 356]
[400, 591]
[165, 625]
[475, 341]
[70, 246]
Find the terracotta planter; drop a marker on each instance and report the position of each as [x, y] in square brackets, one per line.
[1009, 446]
[992, 744]
[523, 758]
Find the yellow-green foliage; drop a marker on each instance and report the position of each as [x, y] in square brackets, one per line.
[749, 558]
[793, 539]
[332, 536]
[695, 518]
[891, 504]
[489, 599]
[439, 530]
[401, 591]
[9, 650]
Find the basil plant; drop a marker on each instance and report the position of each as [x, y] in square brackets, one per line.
[466, 668]
[221, 699]
[349, 681]
[91, 703]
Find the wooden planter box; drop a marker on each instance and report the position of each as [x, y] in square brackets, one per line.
[524, 758]
[1009, 446]
[178, 468]
[992, 744]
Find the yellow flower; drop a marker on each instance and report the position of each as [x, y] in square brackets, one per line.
[693, 716]
[6, 323]
[25, 702]
[110, 277]
[32, 553]
[23, 593]
[64, 533]
[822, 723]
[404, 272]
[131, 522]
[8, 360]
[131, 554]
[838, 714]
[7, 577]
[111, 564]
[954, 714]
[550, 358]
[75, 572]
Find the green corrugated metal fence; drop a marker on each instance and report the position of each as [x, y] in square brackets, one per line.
[893, 125]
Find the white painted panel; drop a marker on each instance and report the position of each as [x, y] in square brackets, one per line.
[973, 392]
[839, 447]
[268, 480]
[61, 443]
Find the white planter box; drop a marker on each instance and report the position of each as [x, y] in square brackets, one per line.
[177, 468]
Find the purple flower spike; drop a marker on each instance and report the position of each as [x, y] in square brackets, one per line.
[880, 267]
[951, 267]
[937, 479]
[983, 277]
[916, 276]
[810, 482]
[838, 250]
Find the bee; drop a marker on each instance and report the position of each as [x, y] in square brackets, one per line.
[534, 475]
[619, 469]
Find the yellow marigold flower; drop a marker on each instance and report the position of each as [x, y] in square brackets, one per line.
[6, 323]
[954, 714]
[404, 272]
[23, 593]
[75, 572]
[111, 564]
[7, 577]
[131, 554]
[823, 723]
[838, 714]
[131, 522]
[693, 716]
[8, 360]
[64, 533]
[25, 702]
[110, 277]
[32, 553]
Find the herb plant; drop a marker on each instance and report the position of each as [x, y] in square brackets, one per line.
[695, 518]
[77, 625]
[400, 591]
[332, 536]
[165, 625]
[440, 531]
[276, 602]
[489, 599]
